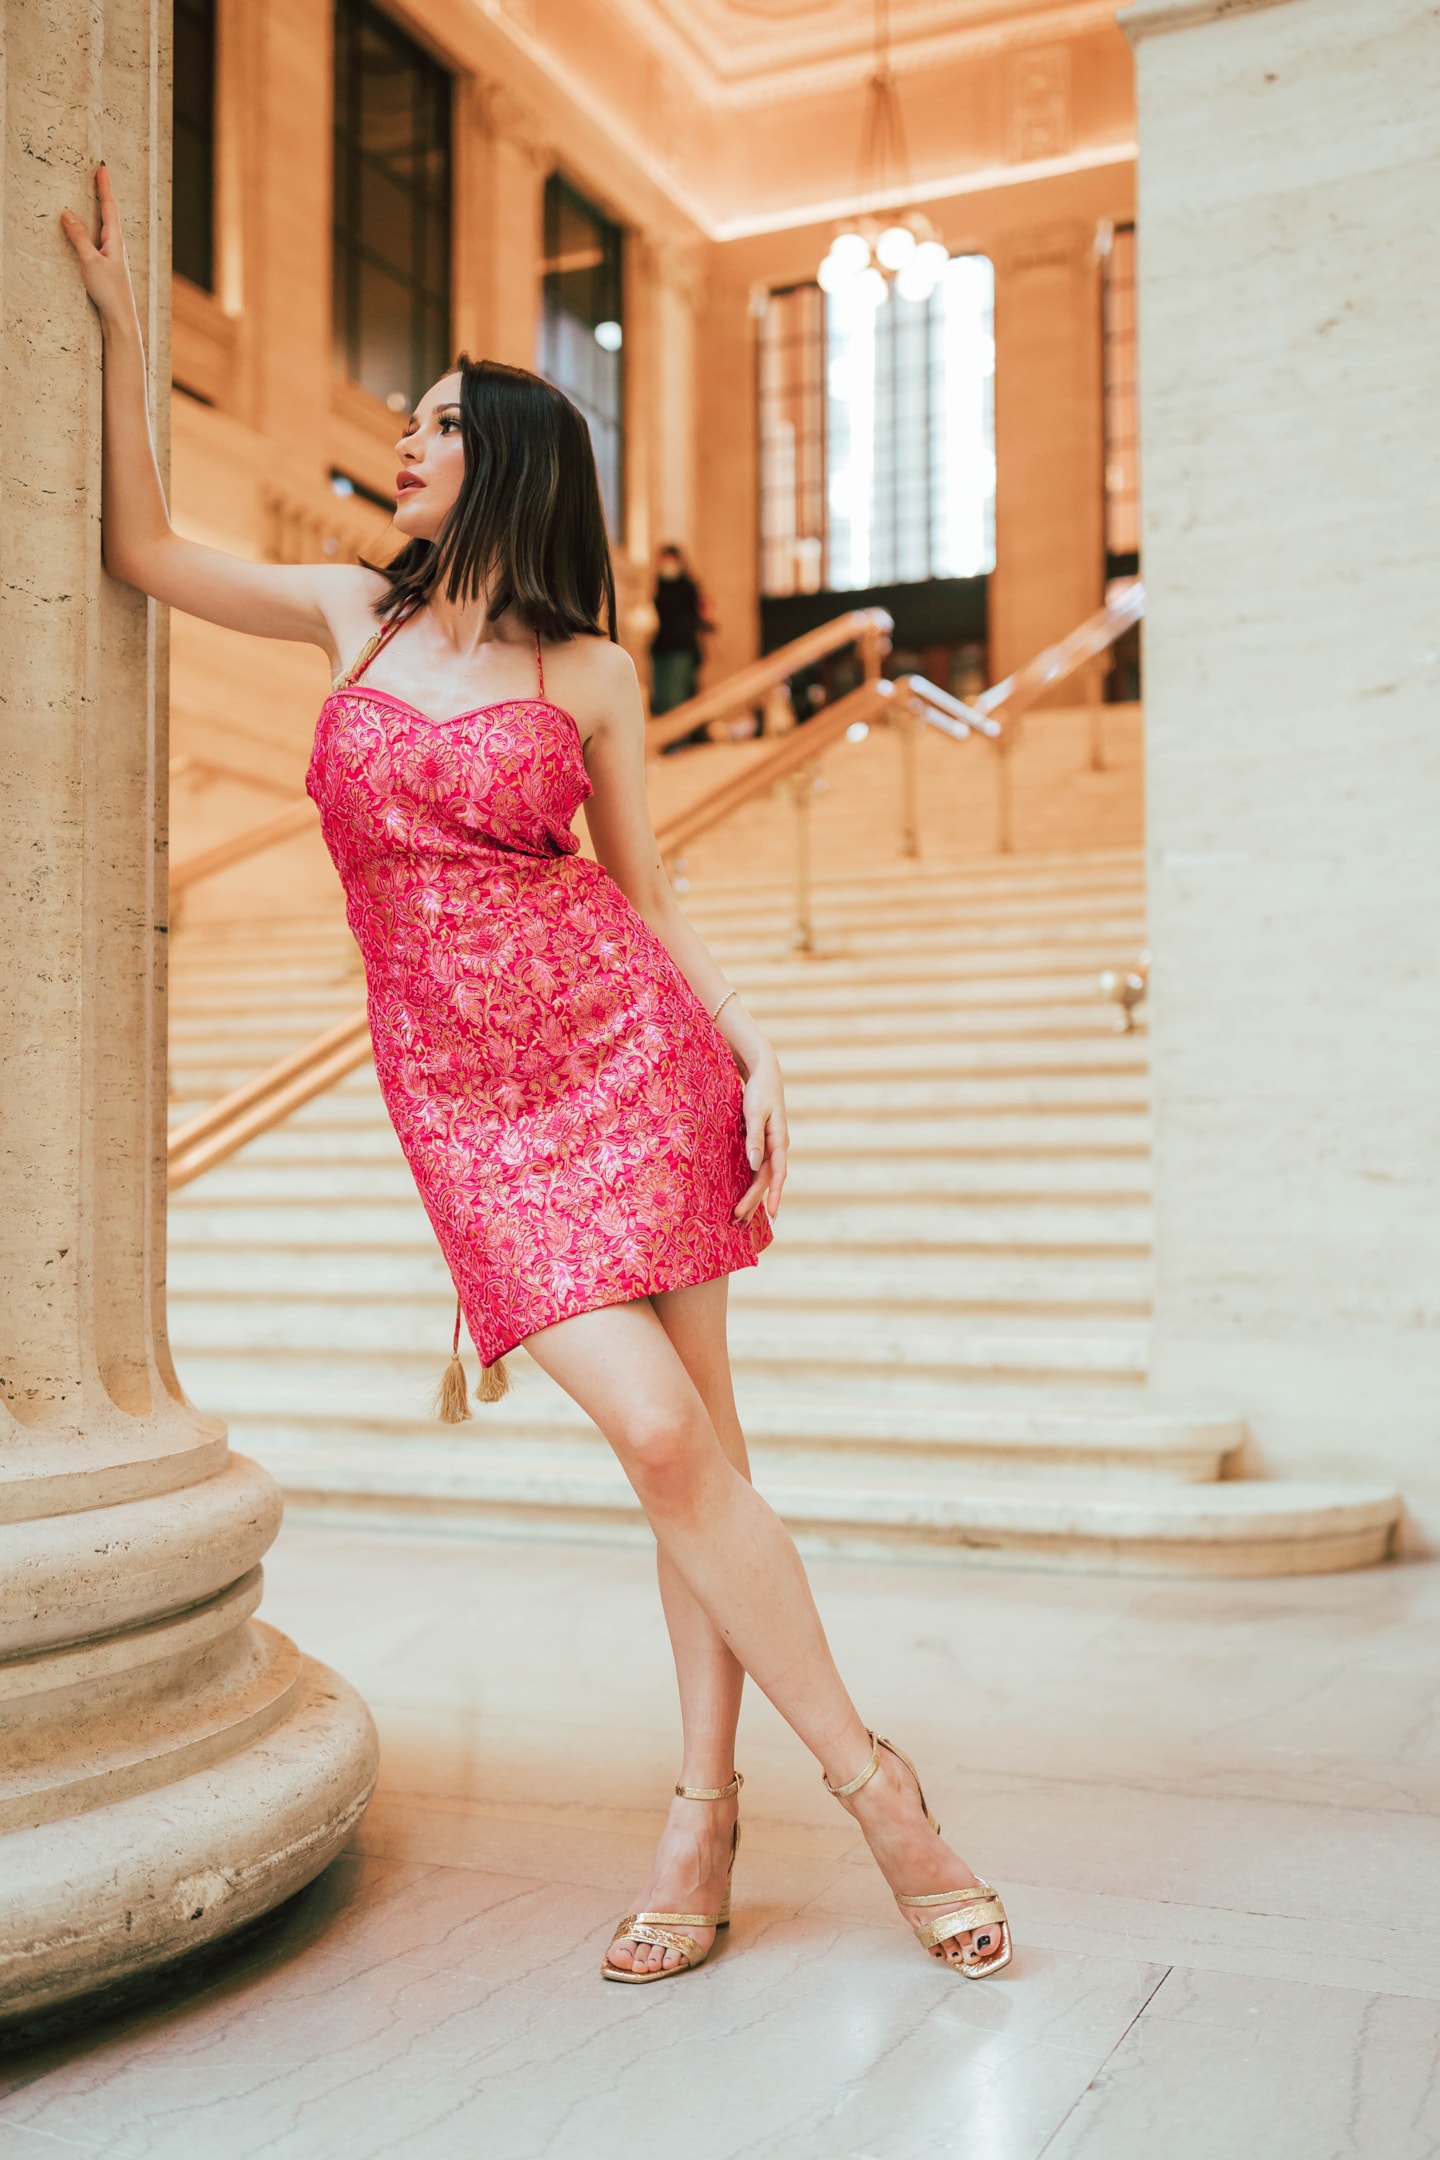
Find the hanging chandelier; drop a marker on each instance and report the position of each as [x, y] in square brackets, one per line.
[874, 250]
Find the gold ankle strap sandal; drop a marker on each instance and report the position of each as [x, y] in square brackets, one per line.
[667, 1930]
[975, 1911]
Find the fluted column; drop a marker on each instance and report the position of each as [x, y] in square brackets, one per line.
[169, 1768]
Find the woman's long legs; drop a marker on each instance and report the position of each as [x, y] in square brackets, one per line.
[733, 1554]
[693, 1856]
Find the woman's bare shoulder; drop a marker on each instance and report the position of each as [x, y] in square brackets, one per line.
[593, 678]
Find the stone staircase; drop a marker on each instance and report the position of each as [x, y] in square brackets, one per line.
[944, 1352]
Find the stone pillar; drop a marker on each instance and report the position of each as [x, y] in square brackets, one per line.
[676, 417]
[1049, 445]
[501, 161]
[1289, 168]
[169, 1768]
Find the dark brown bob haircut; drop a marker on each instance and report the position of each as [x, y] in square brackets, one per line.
[527, 527]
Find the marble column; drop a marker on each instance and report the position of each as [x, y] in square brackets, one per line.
[502, 156]
[170, 1768]
[1049, 445]
[1289, 322]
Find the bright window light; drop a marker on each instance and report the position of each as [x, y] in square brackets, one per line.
[910, 430]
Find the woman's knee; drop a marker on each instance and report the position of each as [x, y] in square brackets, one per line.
[667, 1449]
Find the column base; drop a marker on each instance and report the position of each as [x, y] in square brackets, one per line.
[97, 1898]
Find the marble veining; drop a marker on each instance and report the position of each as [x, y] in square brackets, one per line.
[1167, 1780]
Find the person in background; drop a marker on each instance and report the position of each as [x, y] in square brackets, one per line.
[675, 648]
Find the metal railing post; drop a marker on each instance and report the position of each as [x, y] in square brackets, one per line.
[1005, 794]
[909, 786]
[802, 790]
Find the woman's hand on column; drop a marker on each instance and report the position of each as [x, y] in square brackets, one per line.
[767, 1136]
[104, 269]
[280, 600]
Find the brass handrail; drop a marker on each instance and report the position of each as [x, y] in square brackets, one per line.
[1007, 700]
[791, 752]
[869, 628]
[185, 763]
[794, 759]
[298, 818]
[212, 1134]
[951, 715]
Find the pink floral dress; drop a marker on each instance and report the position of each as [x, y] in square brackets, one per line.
[570, 1112]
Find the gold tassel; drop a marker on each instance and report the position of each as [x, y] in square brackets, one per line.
[452, 1398]
[494, 1382]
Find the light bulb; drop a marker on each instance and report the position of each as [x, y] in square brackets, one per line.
[872, 286]
[609, 336]
[850, 253]
[915, 281]
[934, 255]
[895, 247]
[831, 275]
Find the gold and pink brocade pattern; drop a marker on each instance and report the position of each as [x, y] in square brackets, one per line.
[571, 1114]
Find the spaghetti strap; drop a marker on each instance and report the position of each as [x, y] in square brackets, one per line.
[370, 648]
[539, 664]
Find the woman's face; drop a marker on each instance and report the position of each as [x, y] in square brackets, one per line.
[432, 462]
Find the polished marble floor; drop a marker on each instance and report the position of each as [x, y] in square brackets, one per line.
[1210, 1806]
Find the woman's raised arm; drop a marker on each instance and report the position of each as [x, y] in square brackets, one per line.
[278, 600]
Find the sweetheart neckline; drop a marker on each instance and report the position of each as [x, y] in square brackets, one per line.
[471, 712]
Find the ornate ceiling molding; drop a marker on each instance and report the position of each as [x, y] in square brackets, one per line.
[652, 133]
[978, 181]
[688, 36]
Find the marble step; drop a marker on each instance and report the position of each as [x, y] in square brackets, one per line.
[951, 900]
[1041, 1224]
[1017, 1115]
[264, 978]
[887, 1417]
[955, 1284]
[1240, 1528]
[1000, 1053]
[987, 1050]
[1086, 1027]
[268, 1173]
[892, 1104]
[814, 1338]
[880, 939]
[901, 1097]
[315, 1135]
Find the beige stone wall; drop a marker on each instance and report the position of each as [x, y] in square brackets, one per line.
[1290, 167]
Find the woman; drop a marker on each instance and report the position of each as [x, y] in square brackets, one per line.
[593, 1118]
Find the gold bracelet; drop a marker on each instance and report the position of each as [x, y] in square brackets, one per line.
[723, 1003]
